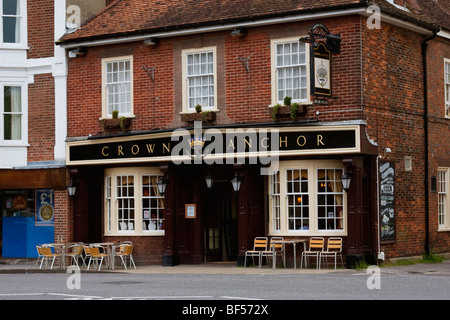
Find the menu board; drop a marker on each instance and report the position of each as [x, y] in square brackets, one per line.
[387, 201]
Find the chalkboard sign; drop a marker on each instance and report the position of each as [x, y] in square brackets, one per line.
[387, 201]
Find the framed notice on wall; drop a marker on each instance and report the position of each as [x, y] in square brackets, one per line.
[387, 201]
[190, 211]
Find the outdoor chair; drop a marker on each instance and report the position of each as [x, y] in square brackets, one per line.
[40, 255]
[334, 248]
[76, 253]
[95, 255]
[279, 249]
[316, 246]
[259, 245]
[47, 255]
[126, 251]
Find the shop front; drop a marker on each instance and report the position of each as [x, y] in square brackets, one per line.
[29, 201]
[203, 194]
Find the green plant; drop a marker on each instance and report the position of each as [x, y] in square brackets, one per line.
[198, 108]
[287, 101]
[115, 114]
[293, 110]
[431, 258]
[122, 123]
[275, 111]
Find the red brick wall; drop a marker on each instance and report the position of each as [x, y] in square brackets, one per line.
[41, 118]
[40, 24]
[394, 104]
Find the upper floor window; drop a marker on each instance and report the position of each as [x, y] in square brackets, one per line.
[290, 71]
[12, 114]
[447, 88]
[199, 79]
[11, 21]
[118, 86]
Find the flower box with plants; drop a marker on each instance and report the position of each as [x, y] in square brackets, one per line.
[116, 122]
[199, 115]
[288, 109]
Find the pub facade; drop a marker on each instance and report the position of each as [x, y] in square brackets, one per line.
[192, 133]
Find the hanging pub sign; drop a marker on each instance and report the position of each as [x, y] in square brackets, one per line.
[387, 201]
[321, 70]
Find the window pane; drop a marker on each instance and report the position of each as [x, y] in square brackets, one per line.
[297, 199]
[11, 7]
[11, 30]
[330, 197]
[152, 204]
[118, 87]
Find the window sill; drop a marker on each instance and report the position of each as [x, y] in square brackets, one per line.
[444, 229]
[132, 234]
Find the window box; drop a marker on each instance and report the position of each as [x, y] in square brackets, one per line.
[205, 116]
[285, 111]
[116, 123]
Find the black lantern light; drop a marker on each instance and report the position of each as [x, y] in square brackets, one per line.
[162, 185]
[236, 183]
[346, 179]
[71, 188]
[209, 181]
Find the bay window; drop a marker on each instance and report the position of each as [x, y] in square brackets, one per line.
[12, 114]
[307, 198]
[133, 205]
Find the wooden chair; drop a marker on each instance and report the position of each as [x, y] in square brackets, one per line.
[279, 249]
[40, 255]
[259, 245]
[334, 248]
[316, 246]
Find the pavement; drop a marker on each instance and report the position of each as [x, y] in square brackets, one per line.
[442, 268]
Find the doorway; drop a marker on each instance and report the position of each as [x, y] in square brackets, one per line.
[220, 227]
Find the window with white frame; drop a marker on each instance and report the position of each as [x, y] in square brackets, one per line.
[447, 87]
[199, 79]
[443, 199]
[12, 114]
[290, 75]
[133, 204]
[118, 86]
[307, 198]
[11, 21]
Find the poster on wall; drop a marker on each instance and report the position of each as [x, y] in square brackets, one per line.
[387, 201]
[45, 208]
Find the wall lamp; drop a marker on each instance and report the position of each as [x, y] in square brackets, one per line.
[238, 32]
[72, 188]
[209, 181]
[236, 183]
[152, 42]
[162, 185]
[346, 180]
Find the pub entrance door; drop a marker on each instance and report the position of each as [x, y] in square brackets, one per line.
[220, 227]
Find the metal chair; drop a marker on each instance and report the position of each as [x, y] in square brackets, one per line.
[40, 255]
[279, 249]
[334, 248]
[125, 252]
[95, 255]
[76, 253]
[259, 245]
[316, 246]
[47, 254]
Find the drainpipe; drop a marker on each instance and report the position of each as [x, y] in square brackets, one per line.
[424, 45]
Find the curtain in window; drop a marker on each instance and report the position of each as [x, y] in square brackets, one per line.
[12, 113]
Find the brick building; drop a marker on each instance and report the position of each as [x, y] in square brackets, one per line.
[33, 123]
[362, 105]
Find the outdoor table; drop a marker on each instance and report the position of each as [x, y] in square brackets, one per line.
[294, 244]
[111, 248]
